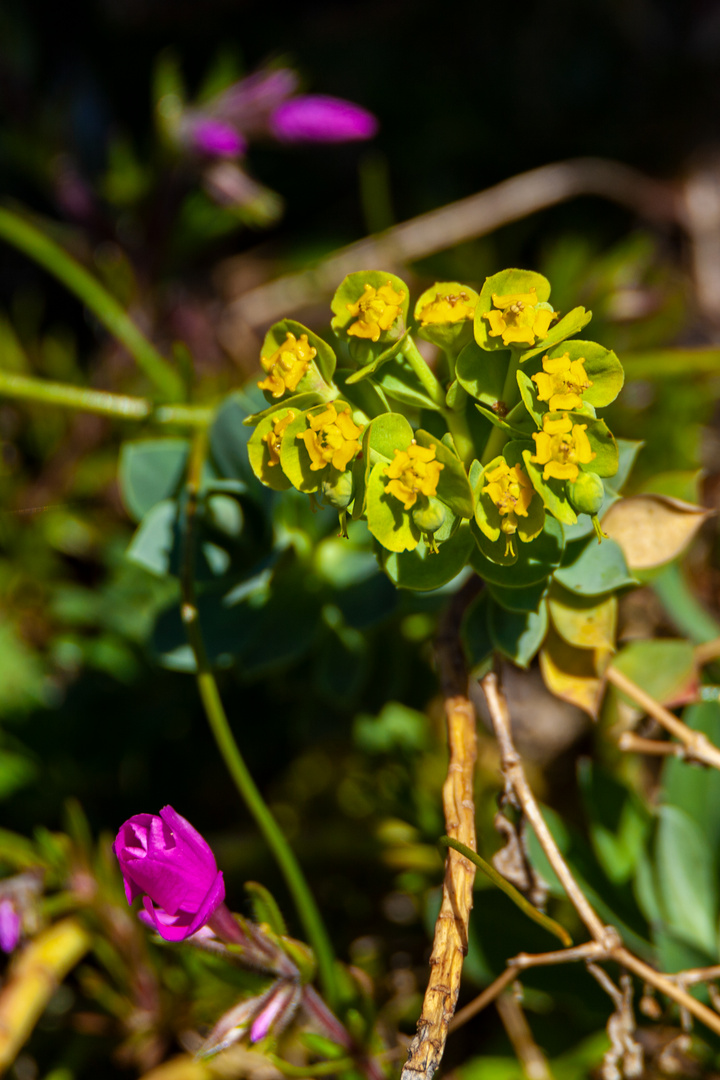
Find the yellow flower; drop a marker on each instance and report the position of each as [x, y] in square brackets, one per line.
[561, 446]
[511, 492]
[414, 471]
[287, 365]
[273, 437]
[519, 318]
[447, 309]
[562, 382]
[331, 439]
[376, 311]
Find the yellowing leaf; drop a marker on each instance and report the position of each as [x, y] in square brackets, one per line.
[582, 621]
[572, 674]
[652, 529]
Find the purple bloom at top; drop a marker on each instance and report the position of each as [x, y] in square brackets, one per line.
[9, 926]
[318, 118]
[167, 862]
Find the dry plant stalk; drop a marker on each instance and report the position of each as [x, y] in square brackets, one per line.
[451, 928]
[607, 944]
[695, 746]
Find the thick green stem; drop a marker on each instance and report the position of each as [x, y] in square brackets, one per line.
[15, 230]
[510, 397]
[217, 717]
[101, 402]
[425, 377]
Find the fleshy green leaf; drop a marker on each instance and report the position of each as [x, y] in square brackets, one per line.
[424, 570]
[480, 375]
[518, 635]
[150, 471]
[389, 523]
[258, 452]
[573, 323]
[527, 599]
[551, 491]
[534, 562]
[596, 569]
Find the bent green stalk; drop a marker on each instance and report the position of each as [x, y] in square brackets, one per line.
[220, 726]
[101, 402]
[34, 243]
[502, 883]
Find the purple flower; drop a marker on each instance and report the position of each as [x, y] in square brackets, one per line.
[9, 926]
[168, 863]
[217, 138]
[317, 118]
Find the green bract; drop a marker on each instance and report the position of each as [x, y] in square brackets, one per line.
[295, 361]
[370, 312]
[506, 283]
[446, 314]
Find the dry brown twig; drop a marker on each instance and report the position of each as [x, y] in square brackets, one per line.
[606, 943]
[451, 928]
[694, 745]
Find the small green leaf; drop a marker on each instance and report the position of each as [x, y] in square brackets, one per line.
[377, 362]
[155, 540]
[516, 634]
[551, 491]
[399, 382]
[687, 880]
[534, 563]
[265, 908]
[150, 471]
[596, 569]
[628, 450]
[389, 432]
[480, 375]
[424, 570]
[527, 599]
[268, 472]
[512, 431]
[573, 323]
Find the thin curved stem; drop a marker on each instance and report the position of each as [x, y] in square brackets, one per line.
[101, 402]
[30, 240]
[307, 909]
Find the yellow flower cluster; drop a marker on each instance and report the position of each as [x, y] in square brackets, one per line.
[413, 472]
[511, 492]
[561, 447]
[519, 318]
[287, 365]
[332, 438]
[447, 309]
[376, 311]
[273, 438]
[562, 382]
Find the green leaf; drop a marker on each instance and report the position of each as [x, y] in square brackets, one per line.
[693, 790]
[687, 880]
[528, 393]
[299, 402]
[154, 542]
[618, 821]
[258, 452]
[535, 561]
[389, 432]
[516, 634]
[382, 358]
[389, 523]
[399, 382]
[528, 599]
[665, 668]
[596, 569]
[602, 442]
[450, 336]
[424, 570]
[551, 491]
[480, 375]
[265, 908]
[229, 437]
[505, 283]
[573, 323]
[453, 486]
[510, 430]
[628, 450]
[151, 471]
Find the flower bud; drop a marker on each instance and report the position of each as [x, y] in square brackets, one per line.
[429, 515]
[339, 492]
[166, 859]
[586, 494]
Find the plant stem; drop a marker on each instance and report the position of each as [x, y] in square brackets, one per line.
[426, 378]
[101, 402]
[510, 397]
[30, 240]
[217, 717]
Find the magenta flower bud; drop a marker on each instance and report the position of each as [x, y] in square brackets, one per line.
[317, 118]
[217, 138]
[9, 926]
[168, 863]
